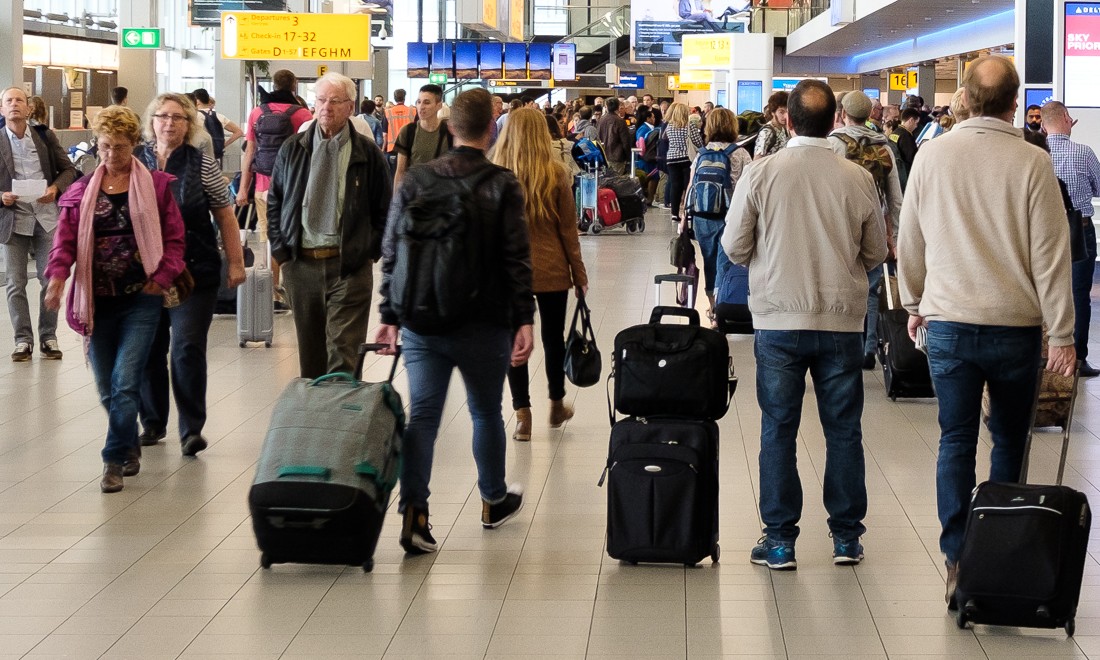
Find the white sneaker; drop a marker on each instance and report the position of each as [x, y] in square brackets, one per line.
[22, 352]
[50, 351]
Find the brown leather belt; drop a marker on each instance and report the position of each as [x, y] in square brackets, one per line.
[320, 253]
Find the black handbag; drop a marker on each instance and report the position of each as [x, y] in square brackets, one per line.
[582, 359]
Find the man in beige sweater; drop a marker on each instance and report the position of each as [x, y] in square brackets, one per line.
[983, 261]
[808, 224]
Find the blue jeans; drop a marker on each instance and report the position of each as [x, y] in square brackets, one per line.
[963, 358]
[122, 333]
[1082, 289]
[183, 329]
[870, 322]
[482, 354]
[834, 360]
[715, 262]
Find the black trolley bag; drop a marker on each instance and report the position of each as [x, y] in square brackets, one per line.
[662, 465]
[1023, 553]
[328, 464]
[904, 368]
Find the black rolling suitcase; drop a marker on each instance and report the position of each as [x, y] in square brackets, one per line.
[904, 368]
[329, 462]
[1023, 554]
[662, 490]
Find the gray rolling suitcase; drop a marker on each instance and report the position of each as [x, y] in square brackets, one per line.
[329, 462]
[256, 304]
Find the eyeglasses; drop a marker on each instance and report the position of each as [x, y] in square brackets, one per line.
[170, 118]
[326, 101]
[104, 147]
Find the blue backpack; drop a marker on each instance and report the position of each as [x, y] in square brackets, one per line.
[710, 189]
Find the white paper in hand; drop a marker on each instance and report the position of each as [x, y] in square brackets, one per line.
[28, 190]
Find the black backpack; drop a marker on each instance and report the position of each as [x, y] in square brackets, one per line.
[272, 130]
[214, 127]
[652, 139]
[439, 249]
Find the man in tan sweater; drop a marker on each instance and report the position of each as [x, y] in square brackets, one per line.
[808, 224]
[983, 262]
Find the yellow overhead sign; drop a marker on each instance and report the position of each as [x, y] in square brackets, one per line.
[255, 35]
[676, 84]
[900, 82]
[706, 51]
[515, 20]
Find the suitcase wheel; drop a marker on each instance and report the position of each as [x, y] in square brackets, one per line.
[1071, 626]
[715, 553]
[241, 344]
[631, 227]
[960, 618]
[368, 565]
[597, 227]
[641, 225]
[267, 344]
[265, 561]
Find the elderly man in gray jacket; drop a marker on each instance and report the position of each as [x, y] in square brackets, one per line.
[29, 153]
[808, 253]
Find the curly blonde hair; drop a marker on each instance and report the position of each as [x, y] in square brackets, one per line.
[119, 122]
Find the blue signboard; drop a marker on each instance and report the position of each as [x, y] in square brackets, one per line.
[633, 81]
[1038, 96]
[785, 84]
[873, 93]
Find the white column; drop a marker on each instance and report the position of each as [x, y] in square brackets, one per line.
[137, 68]
[11, 48]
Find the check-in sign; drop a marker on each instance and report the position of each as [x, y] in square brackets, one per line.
[900, 82]
[281, 36]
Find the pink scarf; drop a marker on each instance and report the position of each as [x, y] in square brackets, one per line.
[145, 219]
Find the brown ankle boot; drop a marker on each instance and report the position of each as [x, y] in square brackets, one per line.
[559, 413]
[112, 478]
[523, 425]
[133, 463]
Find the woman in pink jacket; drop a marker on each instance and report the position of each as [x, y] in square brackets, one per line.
[121, 228]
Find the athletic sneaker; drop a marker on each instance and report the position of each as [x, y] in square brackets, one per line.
[495, 515]
[847, 553]
[774, 555]
[416, 532]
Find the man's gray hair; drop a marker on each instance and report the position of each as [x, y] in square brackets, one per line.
[339, 80]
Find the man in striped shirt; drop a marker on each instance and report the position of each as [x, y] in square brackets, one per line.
[1077, 166]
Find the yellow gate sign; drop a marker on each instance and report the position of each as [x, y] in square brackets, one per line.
[255, 35]
[900, 82]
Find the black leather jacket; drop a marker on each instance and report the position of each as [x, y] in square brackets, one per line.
[505, 298]
[366, 199]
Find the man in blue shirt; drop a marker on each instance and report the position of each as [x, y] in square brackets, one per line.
[29, 153]
[1077, 166]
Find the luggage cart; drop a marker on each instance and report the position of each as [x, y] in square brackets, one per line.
[588, 212]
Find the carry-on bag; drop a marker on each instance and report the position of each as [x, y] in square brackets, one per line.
[227, 297]
[630, 194]
[1023, 552]
[662, 490]
[672, 369]
[731, 302]
[256, 305]
[328, 464]
[582, 358]
[608, 207]
[904, 368]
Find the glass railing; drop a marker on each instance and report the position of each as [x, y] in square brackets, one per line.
[781, 21]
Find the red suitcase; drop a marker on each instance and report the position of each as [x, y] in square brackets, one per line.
[608, 204]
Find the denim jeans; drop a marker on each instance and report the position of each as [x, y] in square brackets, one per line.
[16, 253]
[834, 360]
[122, 333]
[1082, 289]
[183, 329]
[963, 357]
[482, 354]
[715, 262]
[552, 306]
[870, 322]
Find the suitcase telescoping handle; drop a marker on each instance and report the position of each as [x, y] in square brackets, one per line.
[374, 348]
[661, 310]
[1065, 429]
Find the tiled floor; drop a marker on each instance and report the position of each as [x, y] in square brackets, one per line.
[168, 568]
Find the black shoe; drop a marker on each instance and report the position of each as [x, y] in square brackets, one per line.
[50, 351]
[1089, 371]
[495, 515]
[150, 436]
[193, 444]
[869, 362]
[416, 532]
[22, 352]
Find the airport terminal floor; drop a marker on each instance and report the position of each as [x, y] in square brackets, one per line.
[168, 568]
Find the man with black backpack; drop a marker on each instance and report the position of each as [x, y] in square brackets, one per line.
[269, 125]
[216, 125]
[870, 150]
[456, 282]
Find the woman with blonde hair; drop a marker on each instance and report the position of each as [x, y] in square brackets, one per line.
[524, 146]
[679, 132]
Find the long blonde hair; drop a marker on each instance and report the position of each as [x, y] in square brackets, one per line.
[677, 116]
[524, 147]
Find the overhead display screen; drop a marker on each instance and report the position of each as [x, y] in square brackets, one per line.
[565, 62]
[657, 27]
[492, 60]
[418, 59]
[750, 95]
[515, 61]
[1082, 55]
[443, 58]
[466, 60]
[538, 61]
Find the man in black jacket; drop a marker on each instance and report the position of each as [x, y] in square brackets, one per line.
[29, 152]
[327, 209]
[497, 330]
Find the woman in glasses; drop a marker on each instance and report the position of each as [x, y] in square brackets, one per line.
[201, 192]
[123, 231]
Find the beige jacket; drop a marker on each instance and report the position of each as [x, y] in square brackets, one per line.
[984, 237]
[808, 224]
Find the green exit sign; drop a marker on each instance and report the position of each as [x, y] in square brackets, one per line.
[437, 78]
[140, 37]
